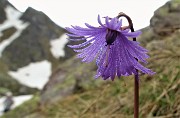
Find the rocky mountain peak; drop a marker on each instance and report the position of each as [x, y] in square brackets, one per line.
[42, 22]
[3, 5]
[32, 43]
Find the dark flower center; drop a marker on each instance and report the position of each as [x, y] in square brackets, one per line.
[111, 36]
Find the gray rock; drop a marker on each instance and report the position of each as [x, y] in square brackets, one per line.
[57, 87]
[166, 19]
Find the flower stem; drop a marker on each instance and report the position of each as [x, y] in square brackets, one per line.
[136, 76]
[136, 96]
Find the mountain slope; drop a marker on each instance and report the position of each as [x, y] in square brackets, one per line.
[8, 29]
[33, 44]
[25, 38]
[159, 94]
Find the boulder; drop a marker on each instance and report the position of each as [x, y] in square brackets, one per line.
[166, 19]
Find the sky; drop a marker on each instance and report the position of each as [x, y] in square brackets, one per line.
[78, 12]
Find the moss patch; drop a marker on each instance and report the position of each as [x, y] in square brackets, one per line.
[7, 33]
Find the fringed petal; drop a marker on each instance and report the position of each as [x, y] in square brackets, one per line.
[101, 63]
[118, 25]
[76, 39]
[125, 66]
[112, 64]
[141, 68]
[82, 44]
[93, 28]
[129, 62]
[107, 22]
[99, 21]
[97, 39]
[90, 52]
[84, 31]
[124, 31]
[121, 60]
[112, 23]
[132, 34]
[73, 35]
[138, 54]
[137, 46]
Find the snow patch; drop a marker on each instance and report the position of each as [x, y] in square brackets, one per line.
[18, 100]
[34, 75]
[12, 21]
[57, 46]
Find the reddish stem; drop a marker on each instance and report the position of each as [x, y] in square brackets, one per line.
[136, 96]
[136, 76]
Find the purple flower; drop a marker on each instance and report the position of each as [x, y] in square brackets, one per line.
[115, 55]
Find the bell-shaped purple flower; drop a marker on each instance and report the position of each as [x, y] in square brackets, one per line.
[115, 55]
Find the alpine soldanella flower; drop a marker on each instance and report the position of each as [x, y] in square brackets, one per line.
[108, 43]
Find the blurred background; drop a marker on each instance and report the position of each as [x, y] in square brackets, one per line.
[45, 80]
